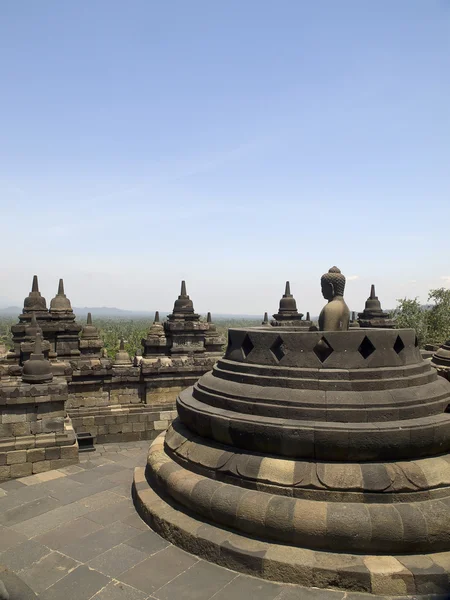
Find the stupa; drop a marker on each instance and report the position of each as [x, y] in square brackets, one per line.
[288, 315]
[155, 344]
[320, 458]
[36, 435]
[353, 321]
[63, 331]
[184, 330]
[91, 344]
[373, 315]
[122, 358]
[214, 342]
[440, 360]
[35, 302]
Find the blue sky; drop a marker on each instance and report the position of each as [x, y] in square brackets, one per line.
[232, 144]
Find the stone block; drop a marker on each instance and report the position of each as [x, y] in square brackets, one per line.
[15, 415]
[138, 426]
[25, 442]
[36, 427]
[52, 425]
[5, 472]
[15, 457]
[21, 470]
[41, 466]
[2, 458]
[46, 439]
[161, 425]
[69, 451]
[53, 453]
[19, 429]
[35, 455]
[6, 430]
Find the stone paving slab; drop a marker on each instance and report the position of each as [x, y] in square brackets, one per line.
[73, 536]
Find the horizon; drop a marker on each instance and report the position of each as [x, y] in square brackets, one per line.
[235, 146]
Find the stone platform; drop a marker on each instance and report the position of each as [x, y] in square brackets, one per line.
[73, 534]
[316, 458]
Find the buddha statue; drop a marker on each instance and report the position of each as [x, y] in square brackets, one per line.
[335, 315]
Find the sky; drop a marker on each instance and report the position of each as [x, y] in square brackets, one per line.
[235, 145]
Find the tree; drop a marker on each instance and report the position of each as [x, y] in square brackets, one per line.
[438, 316]
[432, 323]
[410, 314]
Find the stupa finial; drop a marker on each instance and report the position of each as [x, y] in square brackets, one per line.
[35, 286]
[208, 318]
[156, 320]
[265, 319]
[287, 291]
[122, 344]
[372, 292]
[61, 288]
[183, 288]
[89, 319]
[308, 318]
[37, 345]
[33, 322]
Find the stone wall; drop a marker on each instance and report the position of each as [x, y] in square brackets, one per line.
[122, 423]
[35, 433]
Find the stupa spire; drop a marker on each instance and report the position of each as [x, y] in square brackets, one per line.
[287, 291]
[89, 319]
[156, 320]
[183, 288]
[61, 288]
[266, 320]
[35, 286]
[208, 318]
[372, 292]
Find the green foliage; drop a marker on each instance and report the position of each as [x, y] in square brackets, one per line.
[131, 330]
[5, 330]
[438, 316]
[432, 323]
[410, 314]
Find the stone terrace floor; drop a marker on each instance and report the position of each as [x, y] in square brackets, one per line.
[73, 534]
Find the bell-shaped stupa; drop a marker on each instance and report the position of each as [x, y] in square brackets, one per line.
[288, 315]
[35, 302]
[37, 369]
[60, 304]
[91, 344]
[122, 358]
[373, 315]
[320, 458]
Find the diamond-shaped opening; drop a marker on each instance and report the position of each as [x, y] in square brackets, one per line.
[416, 341]
[366, 348]
[447, 410]
[323, 350]
[399, 345]
[247, 346]
[278, 349]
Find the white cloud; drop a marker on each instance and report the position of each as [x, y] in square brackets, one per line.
[352, 277]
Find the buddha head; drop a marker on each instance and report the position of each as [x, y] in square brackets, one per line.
[333, 283]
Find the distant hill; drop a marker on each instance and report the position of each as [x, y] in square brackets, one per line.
[119, 313]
